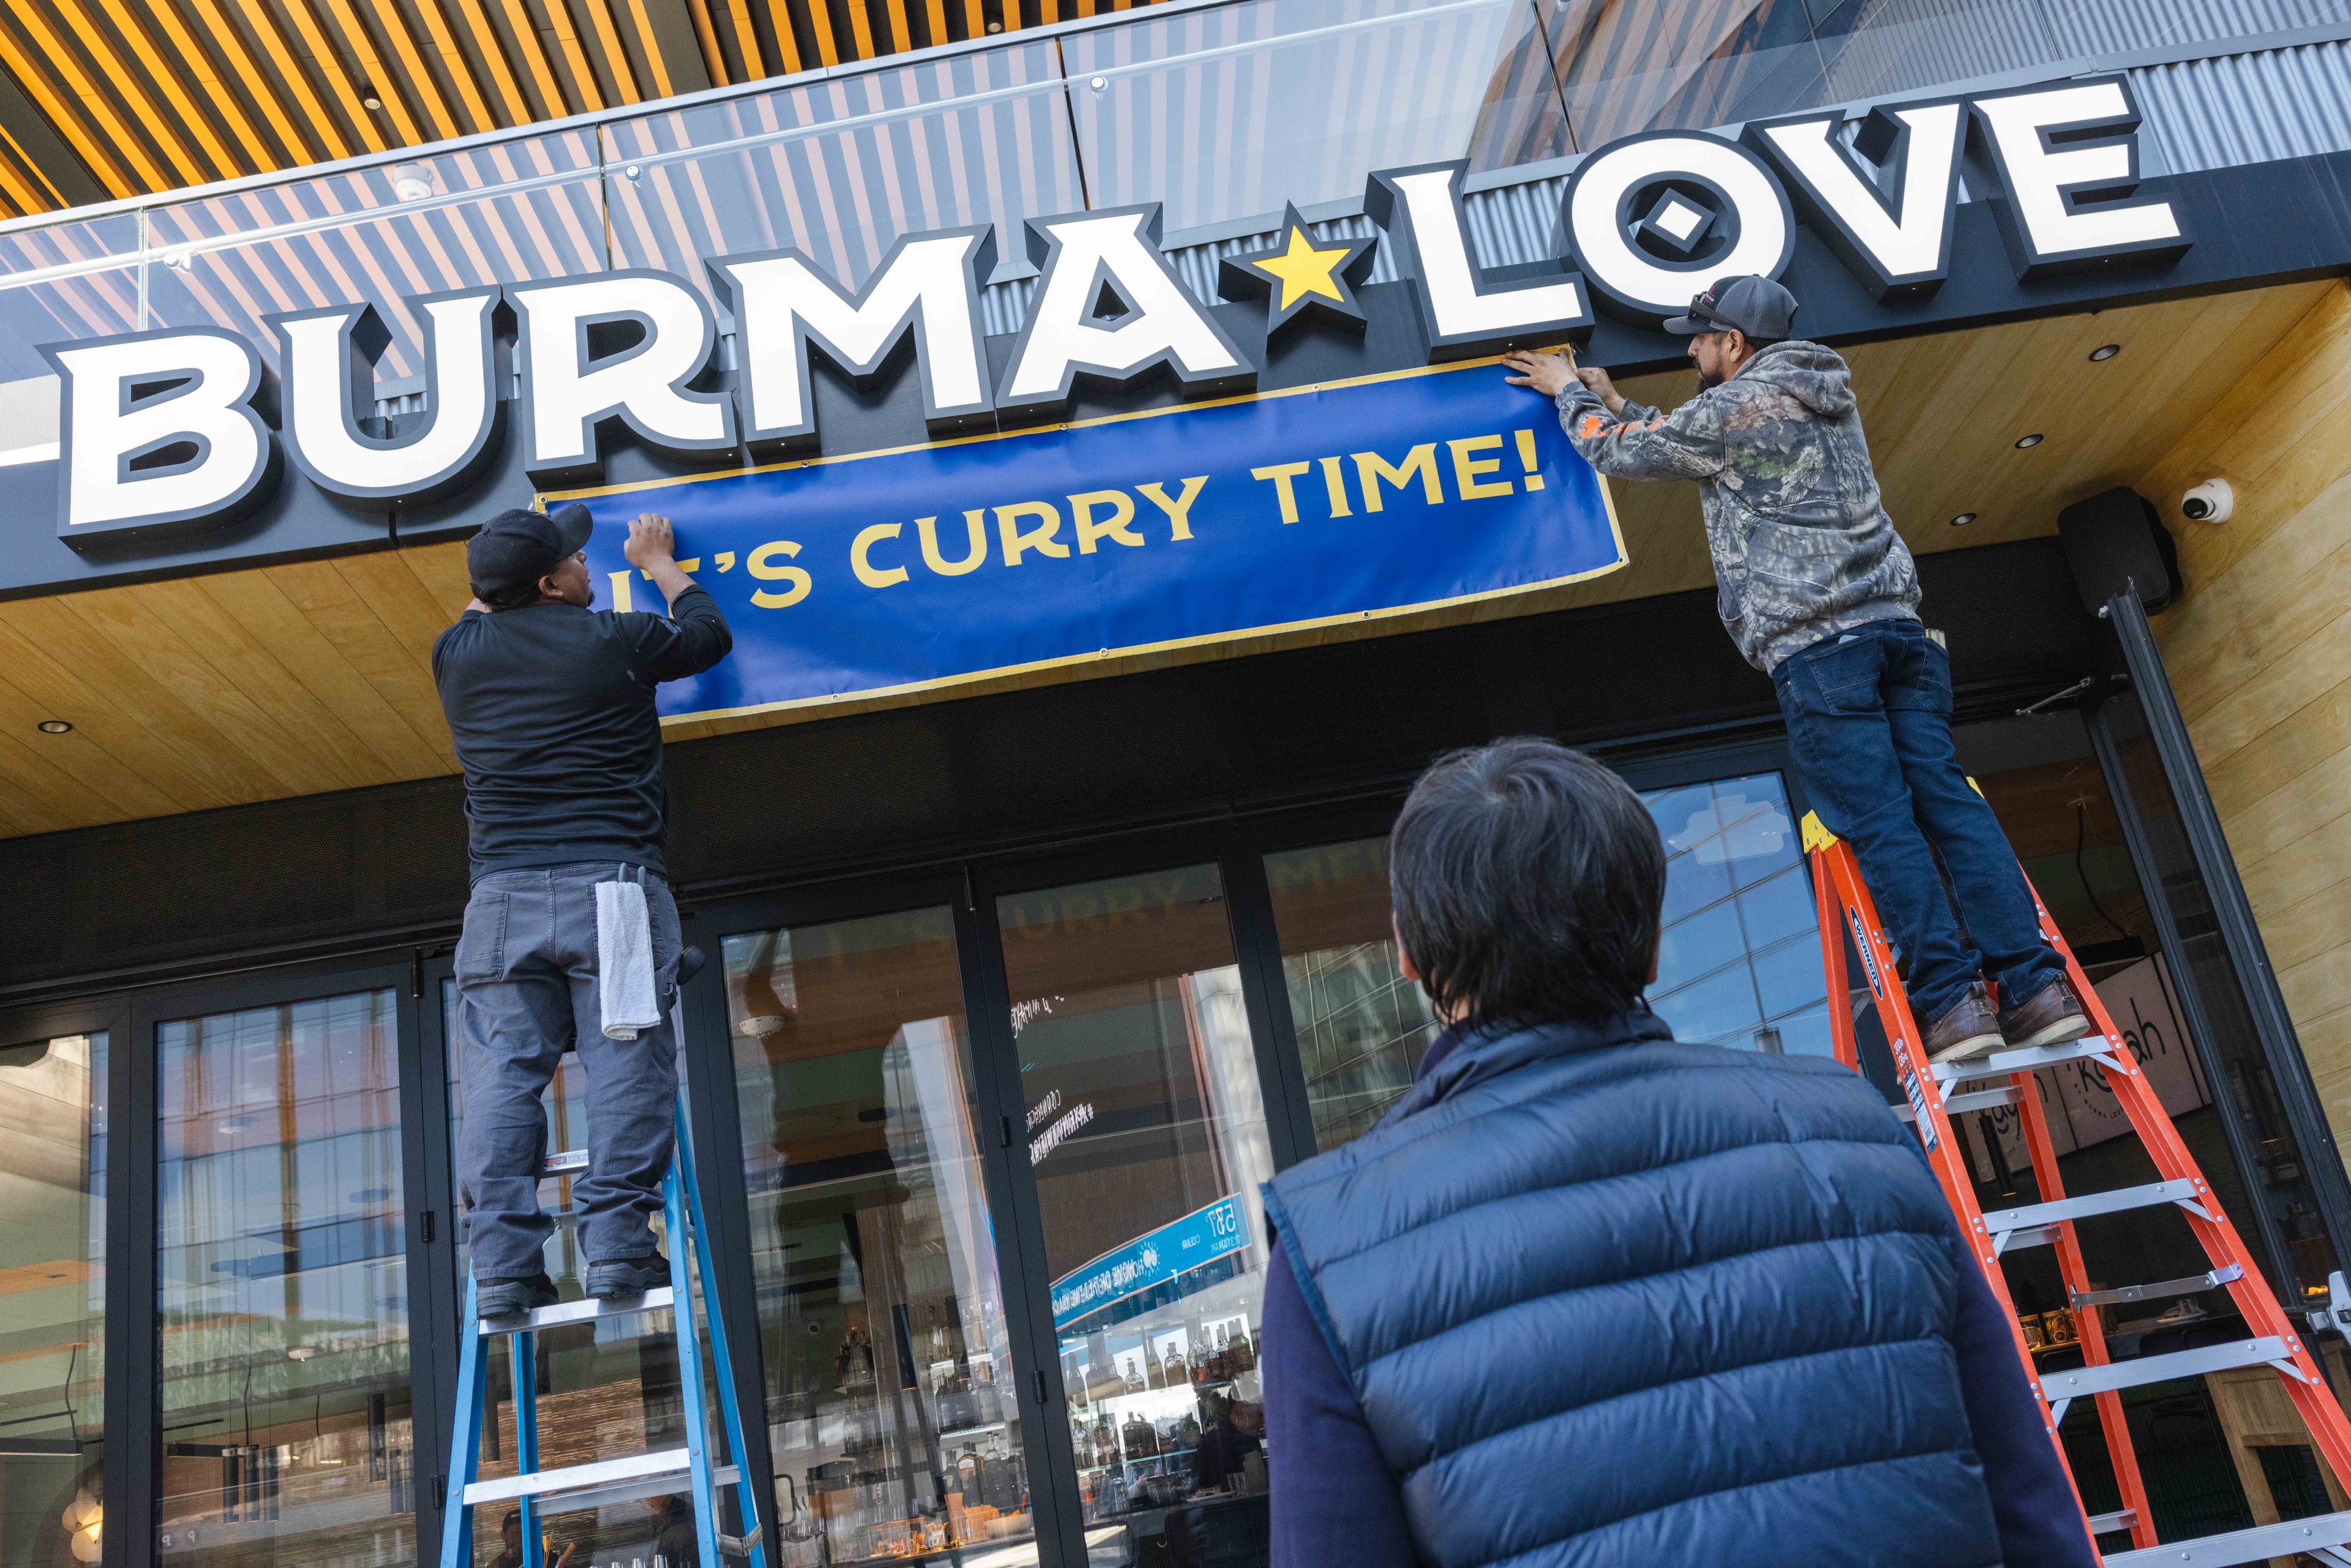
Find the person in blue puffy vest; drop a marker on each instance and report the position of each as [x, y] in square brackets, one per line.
[1591, 1296]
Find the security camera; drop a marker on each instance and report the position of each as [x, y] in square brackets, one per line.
[2211, 502]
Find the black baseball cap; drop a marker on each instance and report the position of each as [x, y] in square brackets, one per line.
[1755, 305]
[519, 545]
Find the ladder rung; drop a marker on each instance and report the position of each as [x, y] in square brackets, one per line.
[1974, 1100]
[2058, 1387]
[586, 1309]
[569, 1163]
[739, 1545]
[2107, 1524]
[596, 1485]
[575, 1478]
[630, 1491]
[2001, 1063]
[2226, 1274]
[2311, 1535]
[2033, 1223]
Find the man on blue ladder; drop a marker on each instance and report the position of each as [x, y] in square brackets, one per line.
[571, 939]
[1820, 594]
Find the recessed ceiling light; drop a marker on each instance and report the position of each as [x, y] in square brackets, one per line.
[2105, 352]
[1963, 519]
[53, 726]
[2024, 441]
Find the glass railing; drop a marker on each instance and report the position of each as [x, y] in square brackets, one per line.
[1222, 112]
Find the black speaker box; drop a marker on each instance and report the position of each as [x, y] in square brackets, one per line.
[2115, 541]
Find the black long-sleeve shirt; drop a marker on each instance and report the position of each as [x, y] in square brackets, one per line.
[551, 708]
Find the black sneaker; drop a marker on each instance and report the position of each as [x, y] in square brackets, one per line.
[619, 1279]
[512, 1298]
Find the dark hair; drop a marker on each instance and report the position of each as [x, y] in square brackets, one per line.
[509, 597]
[1527, 880]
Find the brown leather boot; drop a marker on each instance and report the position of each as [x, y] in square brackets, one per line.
[1969, 1027]
[2051, 1016]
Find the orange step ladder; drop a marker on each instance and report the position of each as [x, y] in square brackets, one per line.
[1845, 908]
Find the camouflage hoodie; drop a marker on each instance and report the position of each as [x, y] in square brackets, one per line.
[1802, 548]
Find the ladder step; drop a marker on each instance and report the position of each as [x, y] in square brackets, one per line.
[2311, 1535]
[2033, 1225]
[2107, 1524]
[588, 1309]
[1974, 1100]
[606, 1481]
[1999, 1063]
[571, 1161]
[2058, 1387]
[2212, 1280]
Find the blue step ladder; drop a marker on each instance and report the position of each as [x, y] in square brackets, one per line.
[537, 1492]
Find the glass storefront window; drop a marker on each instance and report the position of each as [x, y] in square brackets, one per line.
[52, 1300]
[1740, 960]
[603, 1391]
[891, 1392]
[1361, 1027]
[283, 1287]
[1147, 1141]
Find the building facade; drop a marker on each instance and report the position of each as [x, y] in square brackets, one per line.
[1089, 424]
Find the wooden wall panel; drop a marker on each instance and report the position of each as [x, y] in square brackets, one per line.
[2260, 654]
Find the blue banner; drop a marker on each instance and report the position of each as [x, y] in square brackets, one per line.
[1201, 1237]
[927, 565]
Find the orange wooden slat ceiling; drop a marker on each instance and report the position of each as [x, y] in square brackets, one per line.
[154, 95]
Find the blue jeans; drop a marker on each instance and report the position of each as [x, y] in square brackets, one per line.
[527, 992]
[1869, 723]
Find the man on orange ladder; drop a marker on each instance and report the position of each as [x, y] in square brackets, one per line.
[1820, 593]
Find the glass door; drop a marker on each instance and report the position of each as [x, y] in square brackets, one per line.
[55, 1097]
[1145, 1124]
[281, 1281]
[2271, 1114]
[892, 1367]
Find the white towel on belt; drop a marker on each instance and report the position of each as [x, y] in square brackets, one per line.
[624, 960]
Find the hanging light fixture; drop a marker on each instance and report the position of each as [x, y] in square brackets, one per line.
[82, 1519]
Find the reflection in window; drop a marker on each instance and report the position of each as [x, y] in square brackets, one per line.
[1147, 1135]
[52, 1300]
[283, 1287]
[1627, 65]
[1361, 1027]
[891, 1396]
[1739, 959]
[1227, 112]
[604, 1391]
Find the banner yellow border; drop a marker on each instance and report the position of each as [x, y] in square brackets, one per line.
[1135, 650]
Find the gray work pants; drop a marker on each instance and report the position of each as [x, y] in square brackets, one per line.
[527, 988]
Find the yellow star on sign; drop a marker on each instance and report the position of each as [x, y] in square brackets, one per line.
[1305, 269]
[1316, 280]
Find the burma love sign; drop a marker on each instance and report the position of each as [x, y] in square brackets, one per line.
[187, 430]
[1333, 457]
